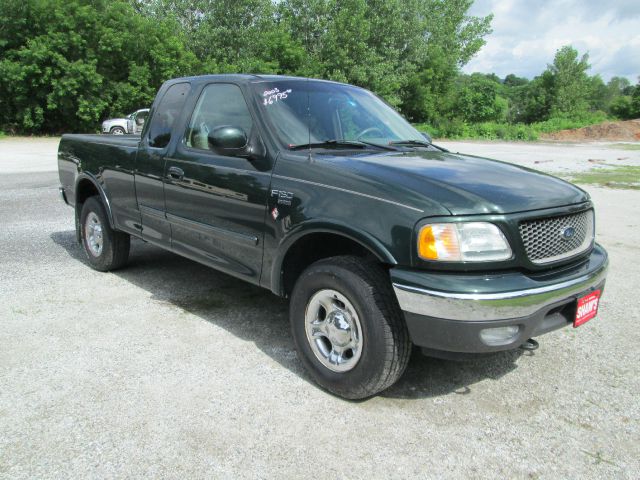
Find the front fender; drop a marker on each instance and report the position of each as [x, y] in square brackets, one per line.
[302, 230]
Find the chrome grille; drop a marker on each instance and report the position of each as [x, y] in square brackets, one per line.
[549, 239]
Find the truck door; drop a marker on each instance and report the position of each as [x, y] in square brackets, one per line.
[150, 165]
[215, 201]
[139, 120]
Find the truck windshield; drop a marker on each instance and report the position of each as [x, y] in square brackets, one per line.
[314, 112]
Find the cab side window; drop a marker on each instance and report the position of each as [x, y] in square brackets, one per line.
[166, 114]
[219, 105]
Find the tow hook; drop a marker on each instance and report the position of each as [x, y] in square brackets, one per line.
[530, 345]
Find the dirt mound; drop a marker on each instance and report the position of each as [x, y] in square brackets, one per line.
[626, 131]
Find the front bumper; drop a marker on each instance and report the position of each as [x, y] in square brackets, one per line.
[449, 311]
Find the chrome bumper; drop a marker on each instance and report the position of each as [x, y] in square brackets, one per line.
[494, 306]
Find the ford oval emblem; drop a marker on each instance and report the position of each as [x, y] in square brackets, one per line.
[568, 233]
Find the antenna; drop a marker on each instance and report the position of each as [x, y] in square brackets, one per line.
[308, 48]
[309, 115]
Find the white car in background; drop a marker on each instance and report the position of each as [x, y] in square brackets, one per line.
[132, 124]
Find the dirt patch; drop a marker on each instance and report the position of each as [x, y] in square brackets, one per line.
[627, 131]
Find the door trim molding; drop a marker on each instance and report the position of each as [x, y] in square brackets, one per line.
[211, 230]
[152, 212]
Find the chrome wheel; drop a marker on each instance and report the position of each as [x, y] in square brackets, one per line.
[333, 330]
[93, 234]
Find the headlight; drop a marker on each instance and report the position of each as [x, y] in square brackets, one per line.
[463, 242]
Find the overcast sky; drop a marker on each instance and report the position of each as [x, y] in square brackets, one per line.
[526, 35]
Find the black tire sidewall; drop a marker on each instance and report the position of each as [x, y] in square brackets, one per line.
[105, 259]
[119, 129]
[373, 357]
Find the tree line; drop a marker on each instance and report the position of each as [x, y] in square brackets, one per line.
[563, 96]
[66, 65]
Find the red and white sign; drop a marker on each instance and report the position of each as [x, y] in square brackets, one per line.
[587, 308]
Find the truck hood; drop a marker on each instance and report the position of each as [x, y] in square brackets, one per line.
[463, 184]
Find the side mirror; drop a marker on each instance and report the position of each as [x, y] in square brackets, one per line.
[228, 139]
[233, 141]
[427, 137]
[255, 149]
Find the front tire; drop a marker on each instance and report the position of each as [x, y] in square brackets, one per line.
[348, 328]
[106, 248]
[117, 131]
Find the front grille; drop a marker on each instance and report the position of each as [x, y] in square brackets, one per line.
[551, 239]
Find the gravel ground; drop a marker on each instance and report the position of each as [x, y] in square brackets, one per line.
[555, 158]
[168, 369]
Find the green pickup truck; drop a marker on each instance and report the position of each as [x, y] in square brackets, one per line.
[322, 193]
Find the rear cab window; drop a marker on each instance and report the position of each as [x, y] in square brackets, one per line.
[166, 114]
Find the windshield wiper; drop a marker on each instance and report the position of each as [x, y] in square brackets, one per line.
[417, 143]
[340, 144]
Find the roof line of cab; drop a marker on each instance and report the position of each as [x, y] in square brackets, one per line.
[245, 77]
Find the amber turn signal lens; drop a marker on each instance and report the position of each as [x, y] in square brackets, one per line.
[427, 244]
[439, 242]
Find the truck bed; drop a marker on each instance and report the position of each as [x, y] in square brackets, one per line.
[89, 154]
[117, 140]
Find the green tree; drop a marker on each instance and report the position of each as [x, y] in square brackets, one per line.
[478, 99]
[622, 107]
[407, 51]
[64, 66]
[233, 36]
[598, 94]
[634, 112]
[448, 38]
[571, 86]
[353, 50]
[537, 99]
[617, 86]
[512, 81]
[428, 95]
[515, 91]
[619, 91]
[627, 104]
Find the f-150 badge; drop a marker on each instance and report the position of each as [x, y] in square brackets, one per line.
[284, 198]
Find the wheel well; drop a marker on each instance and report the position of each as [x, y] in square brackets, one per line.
[314, 247]
[84, 190]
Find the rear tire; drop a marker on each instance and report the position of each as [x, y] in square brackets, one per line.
[348, 328]
[106, 248]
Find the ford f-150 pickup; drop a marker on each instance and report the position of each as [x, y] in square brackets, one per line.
[322, 193]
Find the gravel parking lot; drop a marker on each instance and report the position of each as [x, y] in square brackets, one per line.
[168, 369]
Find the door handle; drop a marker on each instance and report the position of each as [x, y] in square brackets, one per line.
[176, 173]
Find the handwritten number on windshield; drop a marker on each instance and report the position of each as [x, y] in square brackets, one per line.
[274, 96]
